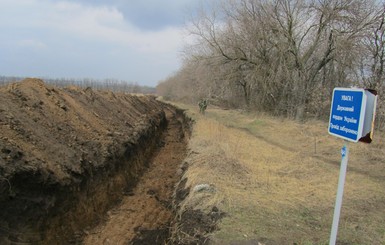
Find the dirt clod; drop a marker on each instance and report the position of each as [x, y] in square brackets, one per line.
[151, 237]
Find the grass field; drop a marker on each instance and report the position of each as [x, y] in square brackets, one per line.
[277, 179]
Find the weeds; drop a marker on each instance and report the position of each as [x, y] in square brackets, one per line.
[277, 180]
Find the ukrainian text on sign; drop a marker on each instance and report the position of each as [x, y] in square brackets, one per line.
[346, 113]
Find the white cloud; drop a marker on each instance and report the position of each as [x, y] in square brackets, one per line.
[68, 32]
[92, 23]
[107, 24]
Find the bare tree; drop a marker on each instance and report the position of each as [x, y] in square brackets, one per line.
[283, 56]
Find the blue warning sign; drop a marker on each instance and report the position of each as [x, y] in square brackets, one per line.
[347, 113]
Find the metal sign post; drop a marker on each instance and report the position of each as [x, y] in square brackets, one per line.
[340, 192]
[352, 119]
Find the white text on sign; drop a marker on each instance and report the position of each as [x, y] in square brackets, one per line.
[347, 98]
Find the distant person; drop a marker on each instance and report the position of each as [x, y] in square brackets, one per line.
[202, 106]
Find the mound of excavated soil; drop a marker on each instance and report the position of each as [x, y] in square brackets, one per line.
[68, 154]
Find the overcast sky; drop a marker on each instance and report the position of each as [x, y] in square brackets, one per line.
[133, 40]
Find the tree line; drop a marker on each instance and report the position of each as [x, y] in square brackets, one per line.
[281, 56]
[106, 84]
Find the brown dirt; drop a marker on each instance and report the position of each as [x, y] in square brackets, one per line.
[67, 156]
[144, 215]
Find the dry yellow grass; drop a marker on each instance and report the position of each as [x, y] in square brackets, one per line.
[277, 180]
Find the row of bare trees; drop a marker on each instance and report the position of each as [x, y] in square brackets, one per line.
[281, 56]
[106, 84]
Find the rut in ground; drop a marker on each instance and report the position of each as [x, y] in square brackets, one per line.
[145, 213]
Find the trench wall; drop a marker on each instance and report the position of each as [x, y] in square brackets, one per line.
[67, 156]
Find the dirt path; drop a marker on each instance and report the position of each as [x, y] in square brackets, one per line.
[144, 214]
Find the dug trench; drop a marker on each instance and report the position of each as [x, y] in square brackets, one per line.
[79, 166]
[145, 213]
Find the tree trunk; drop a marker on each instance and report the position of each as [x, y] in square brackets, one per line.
[299, 115]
